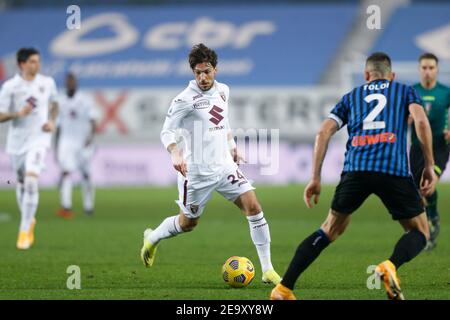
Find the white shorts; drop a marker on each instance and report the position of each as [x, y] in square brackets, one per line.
[195, 191]
[31, 161]
[72, 159]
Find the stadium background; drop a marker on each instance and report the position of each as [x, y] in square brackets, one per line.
[286, 62]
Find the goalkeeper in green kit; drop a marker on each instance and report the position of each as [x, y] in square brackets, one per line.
[436, 101]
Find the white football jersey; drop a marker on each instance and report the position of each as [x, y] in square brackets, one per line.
[26, 133]
[74, 119]
[198, 122]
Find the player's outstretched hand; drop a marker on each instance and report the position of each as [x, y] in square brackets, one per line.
[447, 135]
[25, 110]
[312, 190]
[237, 157]
[428, 182]
[48, 127]
[178, 162]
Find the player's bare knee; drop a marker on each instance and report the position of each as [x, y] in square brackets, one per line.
[335, 224]
[187, 224]
[425, 229]
[331, 232]
[253, 209]
[419, 223]
[31, 174]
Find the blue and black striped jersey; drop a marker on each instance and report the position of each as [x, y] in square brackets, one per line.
[376, 115]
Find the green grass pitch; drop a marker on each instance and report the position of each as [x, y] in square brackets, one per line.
[106, 248]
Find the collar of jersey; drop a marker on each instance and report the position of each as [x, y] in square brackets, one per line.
[19, 76]
[193, 85]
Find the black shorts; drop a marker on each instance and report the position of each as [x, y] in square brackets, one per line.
[399, 194]
[441, 151]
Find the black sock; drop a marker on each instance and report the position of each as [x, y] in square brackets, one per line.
[408, 247]
[306, 253]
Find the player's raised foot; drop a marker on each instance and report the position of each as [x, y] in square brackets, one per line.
[388, 274]
[23, 243]
[64, 213]
[148, 250]
[31, 232]
[281, 292]
[271, 276]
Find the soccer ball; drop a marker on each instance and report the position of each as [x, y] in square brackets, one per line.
[238, 272]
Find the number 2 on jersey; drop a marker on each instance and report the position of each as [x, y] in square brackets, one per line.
[368, 122]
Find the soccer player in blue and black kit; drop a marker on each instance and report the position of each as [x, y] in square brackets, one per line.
[376, 115]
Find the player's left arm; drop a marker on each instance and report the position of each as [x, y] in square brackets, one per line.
[235, 154]
[50, 125]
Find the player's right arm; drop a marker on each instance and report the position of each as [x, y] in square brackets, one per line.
[178, 110]
[328, 128]
[424, 135]
[6, 116]
[337, 118]
[5, 104]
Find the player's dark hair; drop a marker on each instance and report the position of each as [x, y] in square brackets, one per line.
[71, 75]
[428, 55]
[25, 53]
[201, 53]
[379, 63]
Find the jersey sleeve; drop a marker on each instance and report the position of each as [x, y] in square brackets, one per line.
[5, 98]
[412, 96]
[178, 110]
[53, 91]
[340, 112]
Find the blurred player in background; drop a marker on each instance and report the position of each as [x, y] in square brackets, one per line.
[376, 162]
[198, 136]
[29, 101]
[436, 101]
[74, 143]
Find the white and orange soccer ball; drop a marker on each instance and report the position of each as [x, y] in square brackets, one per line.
[238, 272]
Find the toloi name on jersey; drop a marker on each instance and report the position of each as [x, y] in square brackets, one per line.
[376, 86]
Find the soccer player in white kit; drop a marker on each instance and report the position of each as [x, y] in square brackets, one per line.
[28, 100]
[75, 133]
[198, 136]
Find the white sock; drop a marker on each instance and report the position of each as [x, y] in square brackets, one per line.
[66, 192]
[29, 202]
[88, 191]
[19, 194]
[169, 228]
[259, 231]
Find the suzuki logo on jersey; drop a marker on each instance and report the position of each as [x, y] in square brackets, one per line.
[216, 116]
[360, 141]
